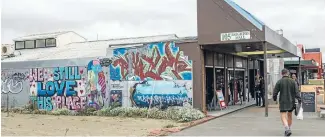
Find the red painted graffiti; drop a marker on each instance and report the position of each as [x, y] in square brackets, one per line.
[154, 65]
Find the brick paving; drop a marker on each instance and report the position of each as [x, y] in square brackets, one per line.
[252, 122]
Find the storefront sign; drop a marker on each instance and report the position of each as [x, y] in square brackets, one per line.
[235, 36]
[221, 99]
[239, 64]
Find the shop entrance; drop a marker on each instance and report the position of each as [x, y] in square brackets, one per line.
[236, 86]
[210, 93]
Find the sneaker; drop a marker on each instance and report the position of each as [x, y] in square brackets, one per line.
[287, 133]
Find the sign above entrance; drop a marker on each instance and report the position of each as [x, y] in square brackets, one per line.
[235, 36]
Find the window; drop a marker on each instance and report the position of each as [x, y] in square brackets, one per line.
[40, 43]
[20, 45]
[30, 44]
[50, 43]
[220, 59]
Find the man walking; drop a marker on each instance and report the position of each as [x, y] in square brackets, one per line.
[289, 91]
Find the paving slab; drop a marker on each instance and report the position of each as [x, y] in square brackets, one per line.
[251, 121]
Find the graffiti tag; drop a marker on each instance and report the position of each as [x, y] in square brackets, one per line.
[13, 84]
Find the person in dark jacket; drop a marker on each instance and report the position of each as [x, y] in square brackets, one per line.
[289, 91]
[262, 90]
[257, 90]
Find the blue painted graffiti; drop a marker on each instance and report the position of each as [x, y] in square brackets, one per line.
[162, 93]
[63, 82]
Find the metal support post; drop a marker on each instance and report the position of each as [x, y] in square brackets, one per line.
[299, 74]
[265, 81]
[254, 91]
[226, 80]
[233, 77]
[248, 81]
[214, 82]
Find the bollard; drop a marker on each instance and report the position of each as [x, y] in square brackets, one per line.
[7, 104]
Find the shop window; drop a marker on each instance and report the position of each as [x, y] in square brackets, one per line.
[220, 60]
[208, 58]
[40, 43]
[230, 60]
[19, 45]
[30, 44]
[50, 42]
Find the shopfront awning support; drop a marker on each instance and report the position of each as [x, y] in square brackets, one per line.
[214, 83]
[299, 74]
[266, 99]
[254, 80]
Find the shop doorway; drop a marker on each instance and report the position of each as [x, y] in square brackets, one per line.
[210, 93]
[252, 74]
[236, 86]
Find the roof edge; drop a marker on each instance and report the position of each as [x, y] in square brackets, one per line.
[124, 38]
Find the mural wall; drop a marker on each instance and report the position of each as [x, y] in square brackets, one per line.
[71, 87]
[52, 88]
[158, 74]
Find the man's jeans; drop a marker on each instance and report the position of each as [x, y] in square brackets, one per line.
[260, 97]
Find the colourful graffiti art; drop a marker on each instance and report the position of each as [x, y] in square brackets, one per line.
[161, 94]
[97, 84]
[59, 87]
[158, 61]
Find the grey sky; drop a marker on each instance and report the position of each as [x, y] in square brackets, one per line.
[302, 20]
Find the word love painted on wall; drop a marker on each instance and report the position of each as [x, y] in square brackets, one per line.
[58, 87]
[64, 81]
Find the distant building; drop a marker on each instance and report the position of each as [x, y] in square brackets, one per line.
[315, 54]
[46, 40]
[68, 45]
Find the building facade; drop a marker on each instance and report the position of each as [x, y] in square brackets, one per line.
[216, 69]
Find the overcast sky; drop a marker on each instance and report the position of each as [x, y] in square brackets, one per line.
[302, 20]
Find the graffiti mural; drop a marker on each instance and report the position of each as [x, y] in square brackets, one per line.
[59, 87]
[161, 93]
[97, 84]
[12, 81]
[158, 74]
[158, 61]
[14, 86]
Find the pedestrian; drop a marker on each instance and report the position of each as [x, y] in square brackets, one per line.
[294, 77]
[257, 90]
[289, 91]
[262, 91]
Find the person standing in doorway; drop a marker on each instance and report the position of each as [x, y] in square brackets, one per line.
[257, 90]
[262, 90]
[289, 91]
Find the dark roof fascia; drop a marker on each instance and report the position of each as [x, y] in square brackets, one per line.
[279, 41]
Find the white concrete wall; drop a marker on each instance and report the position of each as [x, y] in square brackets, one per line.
[274, 67]
[68, 38]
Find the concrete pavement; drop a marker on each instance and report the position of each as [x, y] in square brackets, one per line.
[252, 122]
